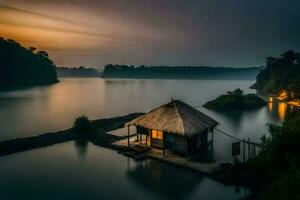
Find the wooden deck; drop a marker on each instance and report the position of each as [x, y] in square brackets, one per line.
[206, 168]
[137, 149]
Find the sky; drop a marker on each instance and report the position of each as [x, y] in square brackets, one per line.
[92, 33]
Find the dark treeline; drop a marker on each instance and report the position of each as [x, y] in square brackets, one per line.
[275, 172]
[77, 72]
[204, 72]
[20, 66]
[281, 73]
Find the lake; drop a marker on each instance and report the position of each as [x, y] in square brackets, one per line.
[75, 171]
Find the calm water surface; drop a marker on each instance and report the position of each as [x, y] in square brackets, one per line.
[84, 171]
[74, 171]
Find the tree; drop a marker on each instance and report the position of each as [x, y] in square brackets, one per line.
[277, 167]
[282, 73]
[20, 66]
[31, 49]
[43, 54]
[83, 127]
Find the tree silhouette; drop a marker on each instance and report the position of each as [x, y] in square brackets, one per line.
[281, 73]
[43, 54]
[20, 66]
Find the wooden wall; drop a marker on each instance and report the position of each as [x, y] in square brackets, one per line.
[177, 143]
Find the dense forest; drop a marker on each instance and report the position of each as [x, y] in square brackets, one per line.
[281, 73]
[20, 66]
[193, 72]
[77, 72]
[275, 172]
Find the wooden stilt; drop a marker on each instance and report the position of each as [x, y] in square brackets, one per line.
[164, 148]
[186, 148]
[150, 136]
[254, 151]
[146, 140]
[128, 136]
[248, 148]
[212, 138]
[244, 151]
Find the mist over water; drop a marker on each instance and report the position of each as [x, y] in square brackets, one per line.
[51, 108]
[77, 170]
[63, 172]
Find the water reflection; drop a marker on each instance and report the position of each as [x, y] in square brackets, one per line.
[270, 106]
[53, 108]
[82, 148]
[163, 179]
[282, 108]
[57, 173]
[279, 109]
[235, 118]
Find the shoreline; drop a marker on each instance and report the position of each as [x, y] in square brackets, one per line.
[10, 88]
[43, 140]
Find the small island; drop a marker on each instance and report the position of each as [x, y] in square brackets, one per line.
[22, 67]
[236, 100]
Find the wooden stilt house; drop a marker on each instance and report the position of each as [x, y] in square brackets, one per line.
[175, 126]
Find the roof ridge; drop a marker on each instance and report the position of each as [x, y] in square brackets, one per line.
[179, 118]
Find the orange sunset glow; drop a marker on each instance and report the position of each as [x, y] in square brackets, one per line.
[145, 32]
[62, 31]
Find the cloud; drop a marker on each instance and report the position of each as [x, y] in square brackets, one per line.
[21, 19]
[224, 33]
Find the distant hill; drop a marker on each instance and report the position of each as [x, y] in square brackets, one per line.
[281, 73]
[20, 66]
[77, 72]
[179, 72]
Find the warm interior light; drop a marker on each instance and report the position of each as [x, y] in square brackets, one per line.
[270, 99]
[157, 134]
[283, 95]
[294, 103]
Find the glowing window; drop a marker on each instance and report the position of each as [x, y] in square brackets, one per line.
[157, 134]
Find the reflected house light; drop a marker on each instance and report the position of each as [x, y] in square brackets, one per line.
[282, 107]
[270, 106]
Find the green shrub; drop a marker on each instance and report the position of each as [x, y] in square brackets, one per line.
[83, 126]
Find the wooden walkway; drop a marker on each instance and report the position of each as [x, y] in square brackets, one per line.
[101, 138]
[141, 152]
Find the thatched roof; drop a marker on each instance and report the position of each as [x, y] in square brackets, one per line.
[175, 117]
